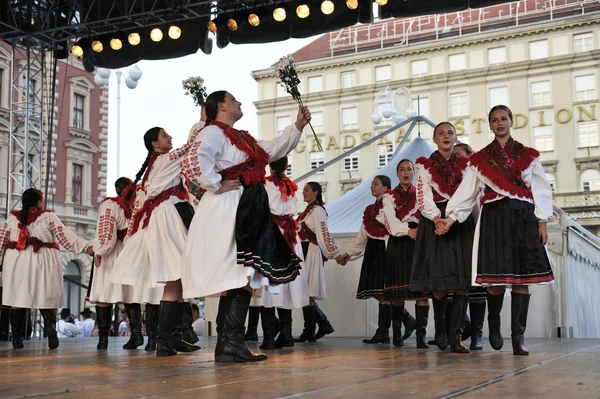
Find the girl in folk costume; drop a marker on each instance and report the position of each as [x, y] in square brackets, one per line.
[156, 237]
[400, 215]
[232, 244]
[32, 275]
[511, 231]
[317, 247]
[442, 257]
[283, 204]
[115, 214]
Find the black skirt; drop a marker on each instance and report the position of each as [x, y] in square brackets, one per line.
[259, 241]
[372, 274]
[398, 266]
[442, 263]
[510, 251]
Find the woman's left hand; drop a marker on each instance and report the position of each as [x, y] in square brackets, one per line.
[543, 232]
[303, 118]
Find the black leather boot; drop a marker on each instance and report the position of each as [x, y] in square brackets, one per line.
[384, 320]
[234, 348]
[325, 326]
[134, 314]
[410, 324]
[152, 312]
[220, 322]
[439, 317]
[397, 315]
[49, 316]
[477, 311]
[310, 325]
[285, 338]
[494, 308]
[251, 332]
[468, 329]
[519, 309]
[167, 314]
[17, 325]
[177, 340]
[270, 326]
[457, 323]
[103, 318]
[188, 333]
[422, 314]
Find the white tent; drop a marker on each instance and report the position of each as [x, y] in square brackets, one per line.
[345, 213]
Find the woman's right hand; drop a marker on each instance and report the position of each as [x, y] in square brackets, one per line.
[412, 233]
[228, 185]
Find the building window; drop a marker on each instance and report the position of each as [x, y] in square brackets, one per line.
[542, 136]
[418, 68]
[538, 49]
[78, 105]
[315, 84]
[590, 180]
[583, 42]
[317, 159]
[348, 79]
[585, 87]
[498, 96]
[497, 56]
[77, 184]
[552, 181]
[349, 118]
[457, 62]
[280, 90]
[282, 123]
[384, 154]
[317, 121]
[459, 104]
[288, 171]
[351, 162]
[383, 73]
[421, 105]
[540, 94]
[587, 134]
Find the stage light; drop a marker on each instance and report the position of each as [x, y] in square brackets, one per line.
[327, 7]
[279, 14]
[211, 26]
[76, 50]
[134, 38]
[303, 11]
[116, 44]
[352, 4]
[232, 24]
[174, 32]
[97, 46]
[156, 35]
[381, 2]
[253, 20]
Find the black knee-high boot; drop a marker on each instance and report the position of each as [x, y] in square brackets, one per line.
[251, 332]
[17, 325]
[325, 326]
[134, 314]
[477, 311]
[457, 323]
[49, 316]
[397, 316]
[285, 338]
[439, 316]
[166, 318]
[234, 348]
[103, 318]
[188, 333]
[220, 322]
[179, 325]
[384, 320]
[519, 310]
[152, 312]
[422, 314]
[410, 324]
[310, 325]
[270, 325]
[494, 308]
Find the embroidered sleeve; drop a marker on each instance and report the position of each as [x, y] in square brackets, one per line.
[194, 131]
[462, 202]
[65, 236]
[542, 193]
[137, 205]
[360, 242]
[199, 164]
[106, 230]
[4, 238]
[326, 243]
[393, 225]
[282, 145]
[425, 200]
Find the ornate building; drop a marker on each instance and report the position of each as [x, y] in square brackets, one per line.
[539, 59]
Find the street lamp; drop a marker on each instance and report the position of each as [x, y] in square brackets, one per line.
[134, 74]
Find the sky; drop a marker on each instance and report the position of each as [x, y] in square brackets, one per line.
[159, 98]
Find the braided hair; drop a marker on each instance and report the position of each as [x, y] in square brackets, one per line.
[30, 199]
[150, 136]
[317, 187]
[212, 104]
[279, 166]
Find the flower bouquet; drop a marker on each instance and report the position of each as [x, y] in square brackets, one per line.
[194, 86]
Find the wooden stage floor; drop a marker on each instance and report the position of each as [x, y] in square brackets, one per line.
[331, 368]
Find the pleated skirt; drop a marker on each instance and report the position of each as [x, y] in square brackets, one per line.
[372, 274]
[398, 268]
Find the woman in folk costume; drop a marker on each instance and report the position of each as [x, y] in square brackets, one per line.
[32, 274]
[283, 204]
[400, 215]
[317, 247]
[511, 231]
[115, 214]
[442, 257]
[232, 245]
[156, 237]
